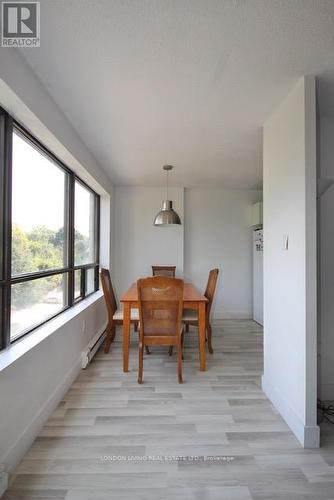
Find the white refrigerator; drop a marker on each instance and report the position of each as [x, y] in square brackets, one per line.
[258, 276]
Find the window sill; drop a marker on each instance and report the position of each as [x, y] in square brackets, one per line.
[20, 347]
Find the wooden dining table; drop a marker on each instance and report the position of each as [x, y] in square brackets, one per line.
[192, 299]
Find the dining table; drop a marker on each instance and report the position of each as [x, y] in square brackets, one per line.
[192, 299]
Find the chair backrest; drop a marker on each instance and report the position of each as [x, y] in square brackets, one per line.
[164, 271]
[160, 300]
[108, 291]
[210, 289]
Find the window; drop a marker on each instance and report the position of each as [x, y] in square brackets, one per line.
[32, 302]
[49, 234]
[38, 210]
[78, 280]
[86, 238]
[84, 225]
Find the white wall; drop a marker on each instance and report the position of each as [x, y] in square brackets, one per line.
[289, 194]
[139, 244]
[22, 94]
[214, 233]
[326, 206]
[34, 384]
[217, 235]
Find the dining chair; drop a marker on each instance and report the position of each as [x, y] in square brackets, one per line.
[164, 271]
[160, 300]
[190, 317]
[115, 315]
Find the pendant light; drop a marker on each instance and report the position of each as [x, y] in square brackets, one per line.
[167, 215]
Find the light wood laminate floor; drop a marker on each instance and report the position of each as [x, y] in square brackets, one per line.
[219, 413]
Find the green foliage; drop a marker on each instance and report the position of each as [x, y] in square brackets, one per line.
[38, 250]
[45, 254]
[81, 249]
[21, 256]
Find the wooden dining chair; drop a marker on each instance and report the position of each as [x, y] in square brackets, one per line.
[190, 317]
[115, 315]
[164, 271]
[160, 300]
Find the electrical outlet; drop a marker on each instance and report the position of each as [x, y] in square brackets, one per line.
[83, 325]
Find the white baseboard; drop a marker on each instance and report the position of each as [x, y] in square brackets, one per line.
[308, 436]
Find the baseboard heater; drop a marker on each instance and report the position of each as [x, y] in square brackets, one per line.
[93, 346]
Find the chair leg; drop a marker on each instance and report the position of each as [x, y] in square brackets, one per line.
[209, 330]
[146, 347]
[140, 365]
[113, 333]
[179, 362]
[170, 351]
[182, 343]
[110, 335]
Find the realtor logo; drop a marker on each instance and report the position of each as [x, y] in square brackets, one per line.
[20, 24]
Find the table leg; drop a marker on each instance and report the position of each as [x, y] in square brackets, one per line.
[201, 333]
[126, 335]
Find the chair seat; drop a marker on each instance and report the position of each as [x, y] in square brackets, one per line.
[118, 315]
[190, 315]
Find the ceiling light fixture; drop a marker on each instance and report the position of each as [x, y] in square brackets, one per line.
[167, 215]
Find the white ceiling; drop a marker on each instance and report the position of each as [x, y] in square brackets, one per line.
[186, 82]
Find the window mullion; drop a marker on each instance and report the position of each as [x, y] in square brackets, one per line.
[71, 237]
[83, 283]
[2, 218]
[6, 133]
[97, 241]
[97, 229]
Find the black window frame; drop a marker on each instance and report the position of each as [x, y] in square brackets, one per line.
[7, 127]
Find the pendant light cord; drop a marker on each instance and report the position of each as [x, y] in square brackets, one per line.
[167, 184]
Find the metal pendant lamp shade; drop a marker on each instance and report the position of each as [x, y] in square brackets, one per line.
[167, 216]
